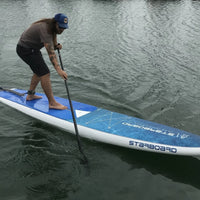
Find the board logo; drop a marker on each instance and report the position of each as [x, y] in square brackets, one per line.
[152, 146]
[153, 130]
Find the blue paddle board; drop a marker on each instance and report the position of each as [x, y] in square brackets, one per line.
[106, 126]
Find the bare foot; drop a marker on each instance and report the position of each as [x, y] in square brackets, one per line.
[57, 106]
[32, 97]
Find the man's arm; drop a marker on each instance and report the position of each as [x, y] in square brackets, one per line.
[53, 58]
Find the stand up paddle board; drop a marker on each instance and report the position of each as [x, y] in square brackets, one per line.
[106, 126]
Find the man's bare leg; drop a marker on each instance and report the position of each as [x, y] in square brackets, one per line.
[34, 82]
[46, 85]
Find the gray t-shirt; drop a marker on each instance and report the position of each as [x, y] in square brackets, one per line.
[35, 36]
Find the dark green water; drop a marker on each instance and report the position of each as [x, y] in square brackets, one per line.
[138, 57]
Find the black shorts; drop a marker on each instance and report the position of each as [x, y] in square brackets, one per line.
[34, 59]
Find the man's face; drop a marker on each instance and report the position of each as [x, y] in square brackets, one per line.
[58, 29]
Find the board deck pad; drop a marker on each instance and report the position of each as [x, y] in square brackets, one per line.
[138, 133]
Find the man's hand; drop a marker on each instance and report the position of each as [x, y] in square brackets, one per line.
[58, 46]
[62, 73]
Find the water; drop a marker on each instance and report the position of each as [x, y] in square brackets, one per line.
[135, 57]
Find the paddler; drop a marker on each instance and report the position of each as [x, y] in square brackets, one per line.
[43, 33]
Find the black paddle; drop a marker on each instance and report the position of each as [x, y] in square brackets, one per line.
[73, 116]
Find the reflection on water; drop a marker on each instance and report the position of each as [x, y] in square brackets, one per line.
[180, 169]
[49, 164]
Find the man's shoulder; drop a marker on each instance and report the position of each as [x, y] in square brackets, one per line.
[39, 25]
[42, 25]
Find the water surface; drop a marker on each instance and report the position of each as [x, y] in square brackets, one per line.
[137, 57]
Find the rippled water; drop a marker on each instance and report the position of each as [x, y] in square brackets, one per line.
[136, 57]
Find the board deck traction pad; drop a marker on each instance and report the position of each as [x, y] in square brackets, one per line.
[134, 132]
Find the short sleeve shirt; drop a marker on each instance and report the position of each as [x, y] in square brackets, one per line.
[35, 36]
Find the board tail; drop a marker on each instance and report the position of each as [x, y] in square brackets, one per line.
[12, 91]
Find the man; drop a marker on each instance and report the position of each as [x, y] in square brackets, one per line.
[43, 33]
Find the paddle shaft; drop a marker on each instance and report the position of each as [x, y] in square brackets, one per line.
[72, 111]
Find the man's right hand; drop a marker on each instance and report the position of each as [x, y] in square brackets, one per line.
[63, 74]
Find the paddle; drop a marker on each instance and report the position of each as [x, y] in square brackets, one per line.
[73, 116]
[12, 91]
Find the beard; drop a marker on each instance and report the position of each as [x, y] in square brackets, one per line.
[59, 32]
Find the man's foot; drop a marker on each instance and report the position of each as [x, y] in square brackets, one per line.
[57, 106]
[33, 97]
